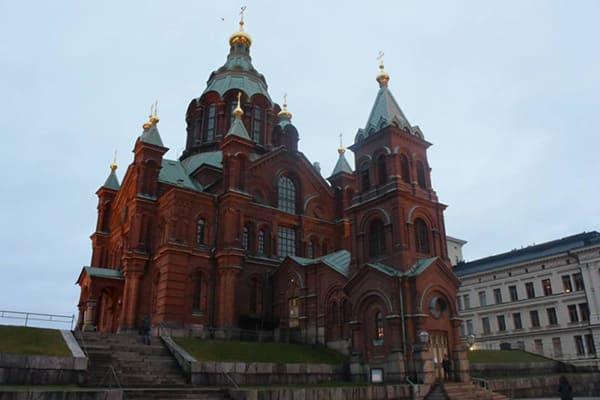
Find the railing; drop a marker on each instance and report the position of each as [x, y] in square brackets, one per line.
[28, 317]
[414, 388]
[111, 372]
[480, 382]
[230, 379]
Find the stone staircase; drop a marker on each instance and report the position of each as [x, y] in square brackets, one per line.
[175, 394]
[467, 391]
[134, 364]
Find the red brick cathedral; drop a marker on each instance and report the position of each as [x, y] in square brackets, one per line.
[243, 234]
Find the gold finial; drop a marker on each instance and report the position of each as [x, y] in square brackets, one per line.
[152, 118]
[382, 76]
[113, 164]
[341, 149]
[240, 36]
[238, 112]
[284, 113]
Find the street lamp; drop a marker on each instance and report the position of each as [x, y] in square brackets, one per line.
[471, 341]
[424, 337]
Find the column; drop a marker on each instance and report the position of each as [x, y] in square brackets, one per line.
[89, 319]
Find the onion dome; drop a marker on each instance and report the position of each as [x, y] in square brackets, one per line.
[284, 116]
[238, 71]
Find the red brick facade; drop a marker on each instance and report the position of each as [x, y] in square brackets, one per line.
[201, 242]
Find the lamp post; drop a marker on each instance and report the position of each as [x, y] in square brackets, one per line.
[424, 338]
[471, 341]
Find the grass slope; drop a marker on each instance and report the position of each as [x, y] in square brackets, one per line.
[502, 356]
[221, 350]
[32, 341]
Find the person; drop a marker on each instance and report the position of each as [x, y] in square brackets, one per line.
[146, 330]
[446, 366]
[565, 389]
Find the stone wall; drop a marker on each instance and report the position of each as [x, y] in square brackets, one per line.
[61, 395]
[20, 369]
[372, 392]
[492, 370]
[584, 385]
[253, 373]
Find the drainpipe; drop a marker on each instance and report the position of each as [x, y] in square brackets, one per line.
[401, 295]
[213, 264]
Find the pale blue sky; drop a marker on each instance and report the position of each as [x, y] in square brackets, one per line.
[507, 91]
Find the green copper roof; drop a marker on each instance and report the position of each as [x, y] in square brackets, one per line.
[238, 73]
[341, 165]
[238, 129]
[152, 136]
[103, 272]
[112, 182]
[212, 158]
[338, 261]
[417, 268]
[173, 172]
[385, 112]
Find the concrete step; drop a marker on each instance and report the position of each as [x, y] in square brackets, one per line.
[175, 394]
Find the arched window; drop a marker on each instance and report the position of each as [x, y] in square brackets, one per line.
[261, 242]
[378, 326]
[200, 232]
[404, 168]
[376, 238]
[381, 169]
[364, 176]
[210, 123]
[421, 236]
[196, 292]
[346, 310]
[256, 124]
[245, 238]
[255, 299]
[286, 195]
[310, 252]
[421, 175]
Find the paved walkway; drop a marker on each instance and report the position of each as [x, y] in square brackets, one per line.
[558, 397]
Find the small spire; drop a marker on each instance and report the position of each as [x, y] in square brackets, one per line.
[238, 112]
[284, 113]
[242, 9]
[341, 149]
[113, 164]
[382, 76]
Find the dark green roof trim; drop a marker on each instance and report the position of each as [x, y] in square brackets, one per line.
[416, 269]
[385, 112]
[174, 173]
[212, 158]
[112, 182]
[342, 165]
[103, 273]
[339, 261]
[238, 129]
[152, 136]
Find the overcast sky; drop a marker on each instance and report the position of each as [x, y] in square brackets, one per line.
[507, 92]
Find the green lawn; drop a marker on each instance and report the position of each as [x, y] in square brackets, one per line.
[32, 341]
[225, 350]
[502, 356]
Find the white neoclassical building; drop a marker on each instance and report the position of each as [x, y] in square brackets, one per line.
[544, 299]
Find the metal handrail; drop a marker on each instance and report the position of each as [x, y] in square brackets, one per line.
[29, 316]
[233, 382]
[414, 388]
[111, 371]
[480, 382]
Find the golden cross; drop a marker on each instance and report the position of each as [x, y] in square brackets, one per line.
[341, 134]
[285, 99]
[239, 98]
[242, 9]
[380, 58]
